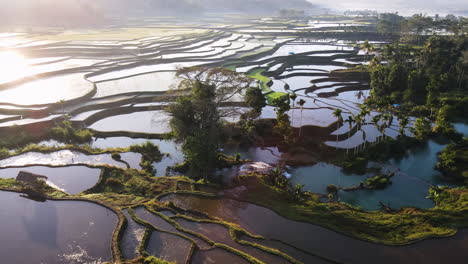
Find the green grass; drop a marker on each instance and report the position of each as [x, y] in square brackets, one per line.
[257, 74]
[272, 96]
[405, 226]
[230, 67]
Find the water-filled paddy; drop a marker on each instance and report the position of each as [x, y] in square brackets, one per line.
[217, 255]
[67, 157]
[72, 180]
[152, 82]
[48, 90]
[168, 247]
[54, 231]
[132, 237]
[144, 122]
[321, 241]
[172, 150]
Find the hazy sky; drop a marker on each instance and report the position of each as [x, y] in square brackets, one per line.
[405, 7]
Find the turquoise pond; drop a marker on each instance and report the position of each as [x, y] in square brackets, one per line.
[414, 174]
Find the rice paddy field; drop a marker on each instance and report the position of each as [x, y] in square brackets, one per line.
[116, 82]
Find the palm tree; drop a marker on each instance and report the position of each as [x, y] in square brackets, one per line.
[293, 97]
[337, 113]
[301, 104]
[403, 122]
[387, 118]
[367, 47]
[62, 102]
[364, 110]
[364, 139]
[360, 119]
[350, 122]
[376, 120]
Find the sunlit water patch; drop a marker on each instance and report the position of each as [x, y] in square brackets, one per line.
[143, 122]
[47, 90]
[67, 157]
[72, 180]
[152, 82]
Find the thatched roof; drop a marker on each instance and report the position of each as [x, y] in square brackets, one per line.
[28, 177]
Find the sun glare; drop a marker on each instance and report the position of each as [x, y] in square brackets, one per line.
[12, 66]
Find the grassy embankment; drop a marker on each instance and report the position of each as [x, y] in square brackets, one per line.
[270, 94]
[398, 228]
[129, 188]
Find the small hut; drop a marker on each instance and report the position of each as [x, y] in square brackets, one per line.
[30, 178]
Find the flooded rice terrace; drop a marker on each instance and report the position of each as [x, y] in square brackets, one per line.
[117, 82]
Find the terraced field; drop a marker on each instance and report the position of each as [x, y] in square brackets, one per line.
[117, 82]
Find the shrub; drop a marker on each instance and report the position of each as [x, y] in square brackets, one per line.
[356, 165]
[331, 188]
[116, 156]
[65, 132]
[149, 150]
[4, 153]
[112, 182]
[154, 260]
[379, 181]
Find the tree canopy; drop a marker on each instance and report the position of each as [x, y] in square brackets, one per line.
[212, 94]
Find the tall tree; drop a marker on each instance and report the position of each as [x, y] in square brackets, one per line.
[301, 104]
[338, 114]
[350, 120]
[210, 96]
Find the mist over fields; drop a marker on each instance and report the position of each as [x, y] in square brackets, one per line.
[404, 7]
[69, 12]
[95, 12]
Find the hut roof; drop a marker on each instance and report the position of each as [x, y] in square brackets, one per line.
[28, 177]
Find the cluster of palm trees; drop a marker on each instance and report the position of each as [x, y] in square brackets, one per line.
[380, 121]
[301, 103]
[368, 49]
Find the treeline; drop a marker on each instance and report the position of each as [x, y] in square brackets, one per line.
[362, 13]
[291, 13]
[429, 76]
[392, 23]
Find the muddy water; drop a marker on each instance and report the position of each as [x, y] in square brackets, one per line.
[324, 242]
[54, 232]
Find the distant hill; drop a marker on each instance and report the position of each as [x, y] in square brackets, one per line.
[253, 6]
[89, 12]
[198, 7]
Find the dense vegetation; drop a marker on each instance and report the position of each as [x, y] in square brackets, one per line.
[453, 161]
[427, 77]
[411, 29]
